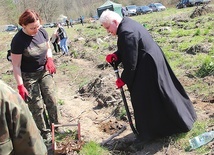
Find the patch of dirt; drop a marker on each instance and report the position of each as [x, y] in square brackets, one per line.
[97, 105]
[203, 10]
[111, 127]
[68, 147]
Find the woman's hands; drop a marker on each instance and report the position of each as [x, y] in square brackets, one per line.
[23, 91]
[49, 66]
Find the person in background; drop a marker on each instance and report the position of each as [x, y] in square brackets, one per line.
[33, 69]
[123, 11]
[81, 20]
[67, 22]
[55, 40]
[71, 22]
[19, 134]
[63, 39]
[161, 105]
[9, 55]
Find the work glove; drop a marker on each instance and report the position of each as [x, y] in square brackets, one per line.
[49, 66]
[22, 91]
[119, 83]
[111, 58]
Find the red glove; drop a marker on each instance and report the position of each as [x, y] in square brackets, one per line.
[49, 66]
[120, 83]
[111, 57]
[23, 91]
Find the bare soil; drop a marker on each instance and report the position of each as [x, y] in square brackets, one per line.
[96, 106]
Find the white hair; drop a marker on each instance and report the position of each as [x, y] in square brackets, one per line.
[108, 16]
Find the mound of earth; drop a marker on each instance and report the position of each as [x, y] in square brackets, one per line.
[203, 10]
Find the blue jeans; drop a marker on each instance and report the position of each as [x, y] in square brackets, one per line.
[64, 46]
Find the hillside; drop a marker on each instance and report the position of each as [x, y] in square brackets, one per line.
[86, 88]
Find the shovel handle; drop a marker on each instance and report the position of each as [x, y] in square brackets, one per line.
[124, 100]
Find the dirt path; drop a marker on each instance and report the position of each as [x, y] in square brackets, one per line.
[75, 108]
[96, 122]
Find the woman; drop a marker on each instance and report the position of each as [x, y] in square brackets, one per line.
[33, 69]
[55, 40]
[63, 39]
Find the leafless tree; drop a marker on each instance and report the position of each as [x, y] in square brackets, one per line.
[50, 10]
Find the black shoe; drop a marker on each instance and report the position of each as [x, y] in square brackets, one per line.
[137, 141]
[140, 138]
[137, 144]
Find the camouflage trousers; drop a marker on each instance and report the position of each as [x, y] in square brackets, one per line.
[41, 88]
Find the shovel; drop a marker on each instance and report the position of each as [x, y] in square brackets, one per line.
[124, 100]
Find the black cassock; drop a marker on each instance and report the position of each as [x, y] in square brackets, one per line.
[161, 105]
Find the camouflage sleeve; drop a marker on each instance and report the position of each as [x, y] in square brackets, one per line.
[19, 134]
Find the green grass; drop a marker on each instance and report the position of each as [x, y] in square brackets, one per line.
[92, 148]
[207, 68]
[61, 102]
[68, 135]
[5, 39]
[8, 78]
[67, 67]
[182, 140]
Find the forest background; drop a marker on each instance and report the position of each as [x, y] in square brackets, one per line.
[51, 10]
